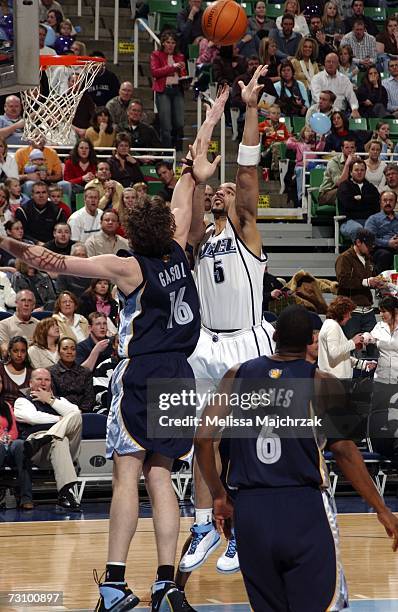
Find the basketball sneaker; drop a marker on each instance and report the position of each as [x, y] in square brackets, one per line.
[228, 563]
[186, 606]
[166, 597]
[115, 597]
[205, 540]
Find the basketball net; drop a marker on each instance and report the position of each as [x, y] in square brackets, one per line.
[51, 116]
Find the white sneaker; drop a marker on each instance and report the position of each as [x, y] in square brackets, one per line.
[205, 540]
[228, 563]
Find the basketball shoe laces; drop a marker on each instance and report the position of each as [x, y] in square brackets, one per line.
[231, 548]
[196, 540]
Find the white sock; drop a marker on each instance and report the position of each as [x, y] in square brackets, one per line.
[203, 516]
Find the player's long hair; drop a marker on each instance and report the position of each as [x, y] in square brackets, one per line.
[150, 227]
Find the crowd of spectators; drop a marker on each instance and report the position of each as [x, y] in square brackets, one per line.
[59, 344]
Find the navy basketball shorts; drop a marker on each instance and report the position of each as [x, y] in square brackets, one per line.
[127, 431]
[288, 550]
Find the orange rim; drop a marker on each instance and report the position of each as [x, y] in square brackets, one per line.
[68, 60]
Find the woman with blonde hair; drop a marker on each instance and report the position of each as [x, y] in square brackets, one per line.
[300, 22]
[141, 189]
[267, 53]
[127, 201]
[70, 323]
[333, 24]
[304, 63]
[43, 352]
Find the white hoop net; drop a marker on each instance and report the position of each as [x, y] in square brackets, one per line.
[50, 116]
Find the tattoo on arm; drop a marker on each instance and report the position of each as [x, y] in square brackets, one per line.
[35, 256]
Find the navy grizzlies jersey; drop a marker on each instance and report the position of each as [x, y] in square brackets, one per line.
[274, 456]
[162, 314]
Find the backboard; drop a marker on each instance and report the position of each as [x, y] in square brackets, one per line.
[19, 45]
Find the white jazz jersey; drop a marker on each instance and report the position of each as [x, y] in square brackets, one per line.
[229, 279]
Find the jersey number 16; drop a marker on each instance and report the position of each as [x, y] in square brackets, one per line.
[181, 312]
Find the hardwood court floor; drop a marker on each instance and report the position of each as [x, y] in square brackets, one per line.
[60, 556]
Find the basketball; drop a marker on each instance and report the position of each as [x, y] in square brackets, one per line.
[224, 22]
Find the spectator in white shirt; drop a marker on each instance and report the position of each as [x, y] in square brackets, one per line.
[334, 352]
[86, 222]
[52, 428]
[330, 79]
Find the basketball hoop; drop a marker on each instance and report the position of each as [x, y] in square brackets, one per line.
[50, 116]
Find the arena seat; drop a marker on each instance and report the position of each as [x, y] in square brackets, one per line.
[274, 10]
[42, 314]
[5, 315]
[359, 123]
[94, 426]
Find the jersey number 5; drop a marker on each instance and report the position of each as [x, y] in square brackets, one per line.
[218, 272]
[180, 310]
[268, 446]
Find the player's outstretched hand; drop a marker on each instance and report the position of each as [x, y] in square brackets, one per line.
[223, 511]
[250, 91]
[390, 524]
[215, 111]
[202, 169]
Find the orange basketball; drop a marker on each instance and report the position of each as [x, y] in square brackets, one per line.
[224, 22]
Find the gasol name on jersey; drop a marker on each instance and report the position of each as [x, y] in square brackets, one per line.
[174, 273]
[224, 246]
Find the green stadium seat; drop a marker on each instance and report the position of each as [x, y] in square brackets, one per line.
[274, 10]
[358, 124]
[392, 10]
[165, 12]
[298, 124]
[154, 187]
[247, 5]
[318, 210]
[377, 13]
[193, 52]
[79, 201]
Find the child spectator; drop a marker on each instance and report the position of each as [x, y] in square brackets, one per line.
[16, 198]
[65, 39]
[56, 194]
[307, 141]
[274, 133]
[141, 189]
[36, 168]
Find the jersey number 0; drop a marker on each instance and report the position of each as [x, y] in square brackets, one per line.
[181, 312]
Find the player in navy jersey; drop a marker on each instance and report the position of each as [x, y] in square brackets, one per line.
[159, 328]
[285, 525]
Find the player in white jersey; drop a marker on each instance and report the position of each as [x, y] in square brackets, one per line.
[229, 270]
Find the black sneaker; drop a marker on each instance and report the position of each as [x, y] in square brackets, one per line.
[166, 597]
[116, 597]
[68, 503]
[186, 606]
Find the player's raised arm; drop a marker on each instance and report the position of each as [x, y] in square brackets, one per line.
[125, 272]
[213, 116]
[196, 170]
[245, 214]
